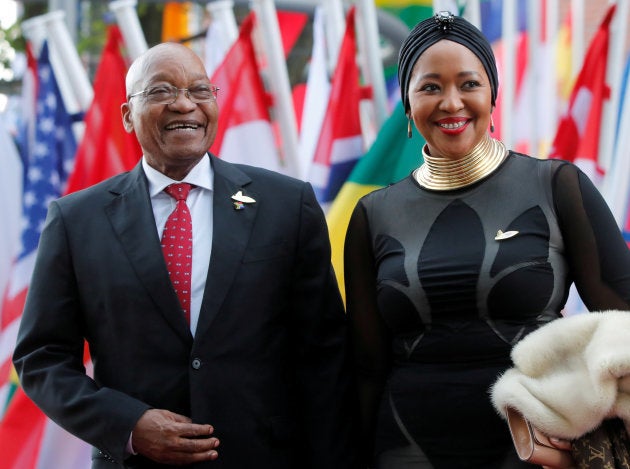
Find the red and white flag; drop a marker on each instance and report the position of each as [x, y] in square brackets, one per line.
[106, 148]
[340, 142]
[245, 134]
[577, 137]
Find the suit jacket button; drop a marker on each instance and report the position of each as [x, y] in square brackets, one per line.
[196, 363]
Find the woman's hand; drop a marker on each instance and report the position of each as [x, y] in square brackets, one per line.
[559, 443]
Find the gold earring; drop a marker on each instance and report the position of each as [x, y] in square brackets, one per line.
[491, 124]
[409, 135]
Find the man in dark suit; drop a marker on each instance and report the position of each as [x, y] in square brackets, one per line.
[256, 375]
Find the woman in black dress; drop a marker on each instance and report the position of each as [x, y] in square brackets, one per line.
[449, 268]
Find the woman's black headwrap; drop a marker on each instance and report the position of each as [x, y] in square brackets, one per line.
[444, 25]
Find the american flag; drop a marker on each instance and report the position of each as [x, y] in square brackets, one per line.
[47, 166]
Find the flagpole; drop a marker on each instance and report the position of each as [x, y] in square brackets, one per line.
[577, 36]
[280, 86]
[221, 34]
[34, 30]
[614, 72]
[472, 12]
[334, 27]
[317, 92]
[509, 64]
[127, 19]
[222, 11]
[374, 63]
[73, 68]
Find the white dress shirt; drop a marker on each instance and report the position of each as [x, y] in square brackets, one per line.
[199, 203]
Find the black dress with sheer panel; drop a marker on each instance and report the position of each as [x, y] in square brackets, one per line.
[440, 285]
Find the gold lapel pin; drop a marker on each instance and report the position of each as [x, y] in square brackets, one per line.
[508, 234]
[240, 200]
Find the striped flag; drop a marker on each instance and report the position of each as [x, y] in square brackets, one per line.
[340, 142]
[391, 157]
[23, 430]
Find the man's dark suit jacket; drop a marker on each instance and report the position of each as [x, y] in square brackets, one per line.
[267, 365]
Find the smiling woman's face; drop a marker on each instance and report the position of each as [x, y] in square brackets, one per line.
[450, 99]
[173, 137]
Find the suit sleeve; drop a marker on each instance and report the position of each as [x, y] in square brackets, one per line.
[49, 352]
[321, 344]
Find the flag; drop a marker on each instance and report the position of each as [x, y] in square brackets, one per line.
[291, 24]
[340, 141]
[563, 58]
[106, 148]
[245, 134]
[536, 93]
[391, 157]
[577, 136]
[217, 41]
[26, 440]
[617, 183]
[491, 12]
[317, 93]
[520, 93]
[409, 11]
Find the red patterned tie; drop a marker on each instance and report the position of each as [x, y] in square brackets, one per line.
[177, 245]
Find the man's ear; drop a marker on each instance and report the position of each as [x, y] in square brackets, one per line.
[125, 110]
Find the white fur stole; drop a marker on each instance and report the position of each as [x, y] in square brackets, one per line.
[570, 374]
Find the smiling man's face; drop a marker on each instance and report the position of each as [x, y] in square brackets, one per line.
[173, 137]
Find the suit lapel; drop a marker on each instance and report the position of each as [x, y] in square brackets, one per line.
[131, 216]
[231, 233]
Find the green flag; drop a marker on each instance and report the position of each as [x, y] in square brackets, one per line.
[391, 158]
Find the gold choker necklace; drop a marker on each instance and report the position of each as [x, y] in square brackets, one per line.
[442, 174]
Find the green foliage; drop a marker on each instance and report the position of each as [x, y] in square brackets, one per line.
[13, 36]
[10, 41]
[91, 31]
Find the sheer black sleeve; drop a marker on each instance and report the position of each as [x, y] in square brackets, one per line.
[598, 256]
[369, 337]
